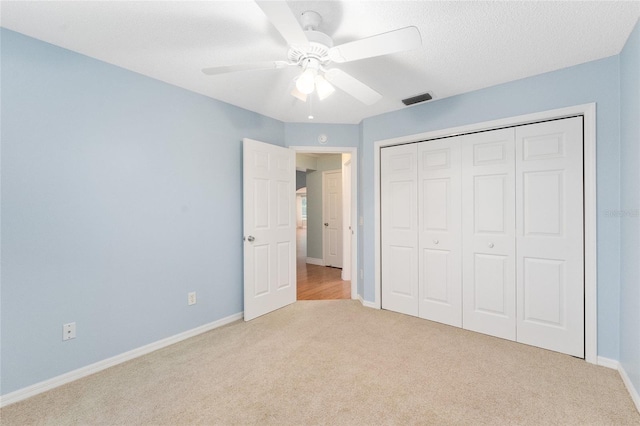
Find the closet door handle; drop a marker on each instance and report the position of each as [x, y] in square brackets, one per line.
[251, 238]
[490, 245]
[435, 241]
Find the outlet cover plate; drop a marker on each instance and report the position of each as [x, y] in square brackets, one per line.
[191, 298]
[69, 331]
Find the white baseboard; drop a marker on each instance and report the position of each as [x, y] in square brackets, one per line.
[367, 304]
[608, 362]
[612, 363]
[315, 261]
[71, 376]
[635, 396]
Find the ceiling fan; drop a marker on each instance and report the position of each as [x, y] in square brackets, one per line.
[313, 51]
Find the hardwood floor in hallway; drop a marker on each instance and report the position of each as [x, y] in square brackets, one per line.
[318, 282]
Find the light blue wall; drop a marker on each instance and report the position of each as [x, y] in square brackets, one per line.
[301, 179]
[306, 134]
[596, 81]
[630, 207]
[120, 194]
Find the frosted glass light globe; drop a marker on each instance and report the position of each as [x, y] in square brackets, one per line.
[306, 81]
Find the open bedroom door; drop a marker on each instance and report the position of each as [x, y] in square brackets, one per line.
[269, 174]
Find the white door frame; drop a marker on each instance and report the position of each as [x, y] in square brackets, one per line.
[588, 111]
[354, 198]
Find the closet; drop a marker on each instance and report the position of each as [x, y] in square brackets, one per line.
[485, 231]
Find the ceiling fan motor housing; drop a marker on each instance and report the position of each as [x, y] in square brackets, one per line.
[318, 48]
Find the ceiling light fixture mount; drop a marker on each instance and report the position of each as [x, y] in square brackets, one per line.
[312, 58]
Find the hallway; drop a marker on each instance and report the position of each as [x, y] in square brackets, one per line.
[317, 282]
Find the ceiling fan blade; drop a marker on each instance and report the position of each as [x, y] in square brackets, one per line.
[352, 86]
[407, 38]
[245, 67]
[285, 21]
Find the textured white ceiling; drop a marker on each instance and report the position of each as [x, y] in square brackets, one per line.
[466, 45]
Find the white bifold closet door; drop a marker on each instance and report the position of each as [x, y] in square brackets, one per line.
[550, 235]
[440, 274]
[488, 229]
[399, 222]
[485, 231]
[420, 222]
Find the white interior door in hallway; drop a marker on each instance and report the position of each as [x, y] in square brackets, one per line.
[516, 194]
[332, 218]
[269, 227]
[347, 232]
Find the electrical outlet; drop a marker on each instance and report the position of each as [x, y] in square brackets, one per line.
[191, 298]
[69, 331]
[361, 220]
[361, 274]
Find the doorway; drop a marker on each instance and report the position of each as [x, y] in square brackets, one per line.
[325, 235]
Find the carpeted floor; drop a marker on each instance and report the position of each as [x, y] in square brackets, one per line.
[336, 362]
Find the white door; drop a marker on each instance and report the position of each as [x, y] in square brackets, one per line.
[332, 218]
[346, 219]
[439, 226]
[488, 226]
[399, 223]
[550, 239]
[269, 228]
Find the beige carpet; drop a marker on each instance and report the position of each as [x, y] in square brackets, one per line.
[335, 362]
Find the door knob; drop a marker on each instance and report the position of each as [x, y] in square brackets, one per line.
[490, 245]
[251, 238]
[435, 241]
[326, 224]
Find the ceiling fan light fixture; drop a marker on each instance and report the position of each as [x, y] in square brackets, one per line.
[312, 51]
[323, 87]
[306, 82]
[298, 94]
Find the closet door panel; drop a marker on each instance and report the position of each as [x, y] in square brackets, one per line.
[550, 239]
[399, 222]
[488, 226]
[491, 285]
[440, 277]
[489, 203]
